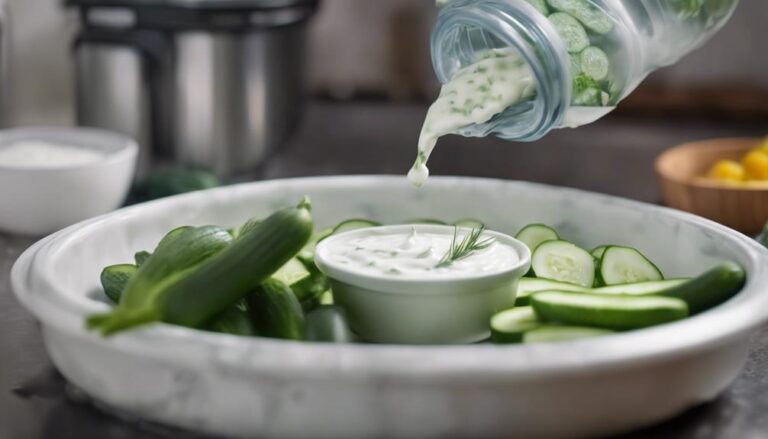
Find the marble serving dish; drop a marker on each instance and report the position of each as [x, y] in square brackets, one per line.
[252, 387]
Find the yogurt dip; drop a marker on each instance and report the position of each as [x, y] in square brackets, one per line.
[415, 253]
[43, 154]
[475, 94]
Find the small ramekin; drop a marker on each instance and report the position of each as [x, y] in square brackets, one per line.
[411, 309]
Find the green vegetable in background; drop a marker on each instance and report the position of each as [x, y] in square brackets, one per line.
[235, 320]
[276, 312]
[189, 279]
[173, 181]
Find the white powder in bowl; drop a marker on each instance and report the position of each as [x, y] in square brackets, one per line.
[42, 154]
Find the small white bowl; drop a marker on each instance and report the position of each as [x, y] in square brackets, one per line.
[412, 309]
[38, 200]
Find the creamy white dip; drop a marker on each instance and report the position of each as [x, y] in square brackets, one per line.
[42, 154]
[416, 253]
[475, 94]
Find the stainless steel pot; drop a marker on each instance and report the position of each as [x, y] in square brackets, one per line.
[217, 84]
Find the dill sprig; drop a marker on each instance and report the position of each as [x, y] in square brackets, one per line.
[460, 250]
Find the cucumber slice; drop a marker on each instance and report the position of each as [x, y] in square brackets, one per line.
[308, 252]
[709, 289]
[552, 333]
[594, 62]
[654, 287]
[527, 286]
[326, 298]
[597, 252]
[292, 272]
[565, 262]
[575, 63]
[624, 265]
[141, 257]
[540, 6]
[534, 234]
[508, 326]
[587, 98]
[328, 323]
[571, 31]
[469, 223]
[586, 12]
[354, 224]
[608, 312]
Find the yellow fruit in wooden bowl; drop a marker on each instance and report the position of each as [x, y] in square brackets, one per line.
[727, 170]
[755, 165]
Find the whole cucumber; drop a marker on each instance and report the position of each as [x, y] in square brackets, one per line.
[709, 289]
[328, 323]
[276, 312]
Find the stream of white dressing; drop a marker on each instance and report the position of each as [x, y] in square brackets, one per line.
[475, 94]
[412, 253]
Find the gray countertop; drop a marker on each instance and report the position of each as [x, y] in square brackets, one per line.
[613, 156]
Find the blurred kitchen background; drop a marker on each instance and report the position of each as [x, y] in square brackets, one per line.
[367, 72]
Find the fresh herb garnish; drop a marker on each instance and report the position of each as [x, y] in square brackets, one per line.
[460, 250]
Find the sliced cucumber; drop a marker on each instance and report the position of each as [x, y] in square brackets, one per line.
[354, 224]
[141, 257]
[508, 326]
[534, 234]
[575, 63]
[597, 252]
[328, 323]
[594, 62]
[565, 262]
[469, 223]
[653, 287]
[609, 312]
[586, 12]
[587, 98]
[292, 272]
[571, 31]
[308, 252]
[553, 333]
[709, 289]
[326, 298]
[624, 265]
[528, 286]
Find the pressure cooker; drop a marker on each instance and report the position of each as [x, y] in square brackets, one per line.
[209, 83]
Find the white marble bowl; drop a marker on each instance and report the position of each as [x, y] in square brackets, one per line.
[41, 200]
[252, 387]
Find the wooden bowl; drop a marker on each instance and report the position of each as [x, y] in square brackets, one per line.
[682, 176]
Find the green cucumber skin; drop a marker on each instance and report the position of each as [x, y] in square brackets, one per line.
[114, 278]
[556, 333]
[600, 311]
[141, 257]
[276, 312]
[231, 274]
[234, 321]
[711, 288]
[522, 319]
[525, 289]
[328, 323]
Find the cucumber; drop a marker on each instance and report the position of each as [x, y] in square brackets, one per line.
[353, 224]
[553, 333]
[623, 265]
[234, 321]
[292, 272]
[469, 223]
[310, 290]
[591, 97]
[534, 234]
[173, 181]
[141, 257]
[575, 63]
[276, 312]
[527, 286]
[565, 262]
[608, 312]
[308, 251]
[594, 63]
[114, 278]
[190, 278]
[654, 287]
[586, 12]
[709, 289]
[328, 323]
[571, 31]
[508, 326]
[540, 6]
[326, 298]
[597, 252]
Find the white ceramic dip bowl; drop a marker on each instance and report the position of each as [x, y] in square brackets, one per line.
[437, 306]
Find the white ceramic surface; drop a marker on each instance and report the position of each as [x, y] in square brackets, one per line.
[410, 309]
[37, 201]
[251, 387]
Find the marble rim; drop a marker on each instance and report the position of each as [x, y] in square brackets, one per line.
[731, 321]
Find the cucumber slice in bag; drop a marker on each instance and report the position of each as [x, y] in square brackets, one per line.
[571, 31]
[564, 262]
[592, 17]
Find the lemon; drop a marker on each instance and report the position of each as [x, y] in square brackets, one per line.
[727, 170]
[755, 165]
